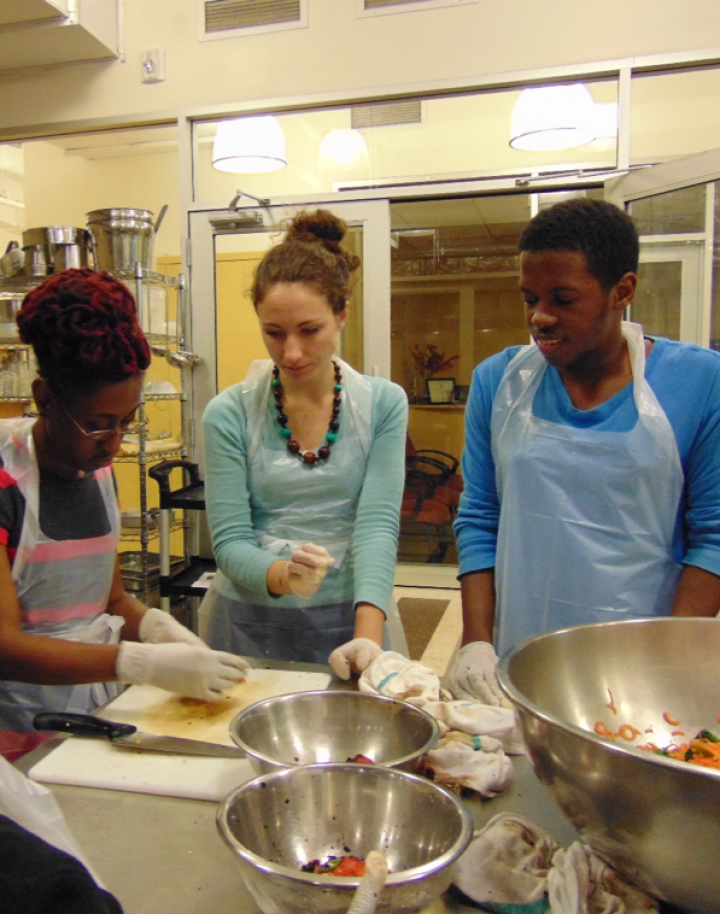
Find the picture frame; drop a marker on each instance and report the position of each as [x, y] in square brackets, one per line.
[440, 390]
[461, 393]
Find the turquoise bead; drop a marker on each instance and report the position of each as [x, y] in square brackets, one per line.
[338, 387]
[285, 432]
[331, 437]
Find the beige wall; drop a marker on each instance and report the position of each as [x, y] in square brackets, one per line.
[339, 52]
[60, 188]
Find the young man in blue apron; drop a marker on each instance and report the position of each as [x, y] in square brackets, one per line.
[592, 456]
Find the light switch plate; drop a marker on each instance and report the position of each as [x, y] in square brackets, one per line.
[153, 66]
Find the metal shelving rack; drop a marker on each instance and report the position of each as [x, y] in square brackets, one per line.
[156, 326]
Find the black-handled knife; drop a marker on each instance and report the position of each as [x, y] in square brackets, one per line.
[127, 736]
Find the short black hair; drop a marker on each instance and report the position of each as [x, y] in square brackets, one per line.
[603, 232]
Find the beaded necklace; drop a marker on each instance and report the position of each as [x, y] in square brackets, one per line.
[309, 457]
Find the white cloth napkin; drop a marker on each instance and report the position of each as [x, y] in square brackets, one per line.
[512, 861]
[394, 675]
[475, 737]
[483, 767]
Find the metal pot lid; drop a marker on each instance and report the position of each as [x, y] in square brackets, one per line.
[54, 234]
[111, 215]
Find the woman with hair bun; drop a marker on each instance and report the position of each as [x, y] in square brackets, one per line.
[304, 472]
[62, 601]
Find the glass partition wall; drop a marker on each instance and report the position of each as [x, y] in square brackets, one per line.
[438, 161]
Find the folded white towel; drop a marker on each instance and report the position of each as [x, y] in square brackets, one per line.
[512, 861]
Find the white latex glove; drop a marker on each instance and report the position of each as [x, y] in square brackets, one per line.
[473, 675]
[354, 656]
[158, 627]
[190, 670]
[307, 568]
[366, 898]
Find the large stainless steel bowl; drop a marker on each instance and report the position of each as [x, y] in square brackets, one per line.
[655, 819]
[303, 728]
[278, 822]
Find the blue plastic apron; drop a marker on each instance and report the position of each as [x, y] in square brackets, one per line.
[587, 517]
[63, 586]
[292, 504]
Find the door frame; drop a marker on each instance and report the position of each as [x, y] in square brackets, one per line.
[694, 317]
[657, 179]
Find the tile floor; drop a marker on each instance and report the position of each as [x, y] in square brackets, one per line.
[445, 642]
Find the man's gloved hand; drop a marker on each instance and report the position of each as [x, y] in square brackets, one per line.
[190, 670]
[307, 568]
[354, 657]
[158, 627]
[473, 675]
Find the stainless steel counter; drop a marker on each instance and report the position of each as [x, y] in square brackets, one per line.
[165, 854]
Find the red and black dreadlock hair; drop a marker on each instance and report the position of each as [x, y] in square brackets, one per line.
[84, 330]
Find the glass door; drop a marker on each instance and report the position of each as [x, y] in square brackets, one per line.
[668, 301]
[676, 207]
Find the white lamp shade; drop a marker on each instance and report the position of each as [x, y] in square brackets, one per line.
[343, 150]
[553, 117]
[249, 145]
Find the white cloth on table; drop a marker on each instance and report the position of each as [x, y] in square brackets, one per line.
[483, 768]
[512, 861]
[479, 720]
[471, 751]
[393, 675]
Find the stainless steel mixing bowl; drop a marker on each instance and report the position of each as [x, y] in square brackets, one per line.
[276, 823]
[655, 819]
[303, 728]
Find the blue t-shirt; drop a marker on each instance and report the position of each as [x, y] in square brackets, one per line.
[686, 381]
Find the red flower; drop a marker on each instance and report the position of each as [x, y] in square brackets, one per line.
[429, 361]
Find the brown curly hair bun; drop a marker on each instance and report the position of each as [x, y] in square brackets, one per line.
[311, 253]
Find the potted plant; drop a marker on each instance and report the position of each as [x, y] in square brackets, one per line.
[428, 361]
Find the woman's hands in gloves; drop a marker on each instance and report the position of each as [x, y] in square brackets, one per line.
[193, 671]
[473, 675]
[354, 657]
[306, 569]
[159, 627]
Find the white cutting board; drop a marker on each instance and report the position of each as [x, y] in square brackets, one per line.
[93, 762]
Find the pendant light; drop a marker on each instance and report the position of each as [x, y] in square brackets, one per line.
[249, 145]
[343, 150]
[549, 118]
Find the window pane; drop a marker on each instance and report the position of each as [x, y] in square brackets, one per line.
[455, 301]
[672, 213]
[418, 140]
[657, 301]
[673, 114]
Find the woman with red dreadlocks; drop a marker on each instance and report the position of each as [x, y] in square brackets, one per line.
[62, 600]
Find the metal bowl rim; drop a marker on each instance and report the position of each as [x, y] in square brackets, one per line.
[519, 699]
[364, 696]
[414, 874]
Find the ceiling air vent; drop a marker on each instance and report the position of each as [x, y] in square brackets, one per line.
[386, 114]
[375, 7]
[232, 18]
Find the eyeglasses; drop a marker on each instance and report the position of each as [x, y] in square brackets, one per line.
[102, 434]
